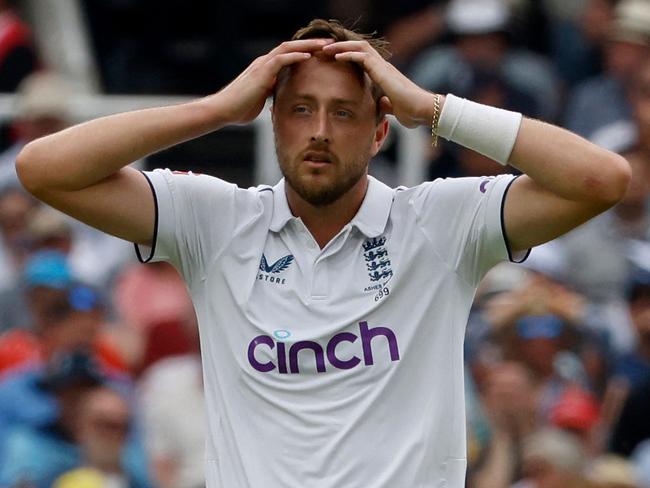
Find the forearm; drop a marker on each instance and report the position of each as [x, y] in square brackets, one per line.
[85, 154]
[557, 160]
[568, 165]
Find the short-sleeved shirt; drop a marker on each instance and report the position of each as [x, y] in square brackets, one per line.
[333, 367]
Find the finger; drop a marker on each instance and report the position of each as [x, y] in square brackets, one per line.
[276, 63]
[302, 45]
[344, 46]
[385, 105]
[353, 56]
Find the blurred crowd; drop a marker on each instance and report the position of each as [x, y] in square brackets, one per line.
[100, 377]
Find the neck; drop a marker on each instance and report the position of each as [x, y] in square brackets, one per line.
[325, 222]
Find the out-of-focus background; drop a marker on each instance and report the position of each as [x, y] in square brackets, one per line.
[100, 381]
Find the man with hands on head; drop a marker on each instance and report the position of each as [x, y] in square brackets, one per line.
[331, 308]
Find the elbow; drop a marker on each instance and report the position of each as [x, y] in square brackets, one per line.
[27, 169]
[610, 186]
[622, 175]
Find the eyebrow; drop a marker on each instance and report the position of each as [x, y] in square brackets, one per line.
[337, 101]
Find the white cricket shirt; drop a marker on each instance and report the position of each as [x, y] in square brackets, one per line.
[339, 367]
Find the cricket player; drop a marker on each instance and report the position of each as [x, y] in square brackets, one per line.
[331, 307]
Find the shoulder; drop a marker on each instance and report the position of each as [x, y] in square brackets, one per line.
[441, 188]
[199, 190]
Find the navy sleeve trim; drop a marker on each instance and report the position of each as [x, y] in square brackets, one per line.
[155, 225]
[503, 226]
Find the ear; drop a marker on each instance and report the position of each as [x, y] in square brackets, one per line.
[381, 132]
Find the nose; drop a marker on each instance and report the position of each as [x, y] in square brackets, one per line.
[321, 131]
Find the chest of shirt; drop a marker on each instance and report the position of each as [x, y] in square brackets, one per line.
[352, 271]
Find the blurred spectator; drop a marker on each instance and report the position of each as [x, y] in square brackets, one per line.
[153, 302]
[611, 471]
[409, 25]
[634, 366]
[15, 207]
[101, 431]
[640, 459]
[37, 450]
[577, 33]
[171, 385]
[93, 257]
[537, 342]
[175, 441]
[577, 411]
[553, 459]
[151, 294]
[625, 52]
[66, 316]
[42, 107]
[640, 97]
[17, 53]
[631, 135]
[633, 426]
[480, 41]
[509, 400]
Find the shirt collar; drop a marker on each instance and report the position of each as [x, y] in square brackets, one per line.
[371, 218]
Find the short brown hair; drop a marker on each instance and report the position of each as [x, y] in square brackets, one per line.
[333, 29]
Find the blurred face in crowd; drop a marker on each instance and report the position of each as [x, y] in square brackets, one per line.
[15, 207]
[69, 399]
[60, 327]
[623, 58]
[326, 129]
[30, 129]
[103, 427]
[485, 50]
[596, 19]
[539, 354]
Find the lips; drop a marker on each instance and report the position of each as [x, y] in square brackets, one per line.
[318, 157]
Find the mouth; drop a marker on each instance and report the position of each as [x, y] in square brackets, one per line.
[318, 158]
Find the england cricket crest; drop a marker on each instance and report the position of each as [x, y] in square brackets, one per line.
[377, 260]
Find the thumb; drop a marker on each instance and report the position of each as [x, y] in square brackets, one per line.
[385, 105]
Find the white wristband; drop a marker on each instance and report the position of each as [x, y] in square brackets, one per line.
[487, 130]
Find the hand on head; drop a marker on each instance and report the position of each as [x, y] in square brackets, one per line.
[246, 95]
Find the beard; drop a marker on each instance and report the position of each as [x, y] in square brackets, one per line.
[346, 174]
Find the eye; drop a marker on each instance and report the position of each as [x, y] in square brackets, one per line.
[300, 109]
[342, 113]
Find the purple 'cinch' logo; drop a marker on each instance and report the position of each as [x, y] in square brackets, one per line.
[283, 359]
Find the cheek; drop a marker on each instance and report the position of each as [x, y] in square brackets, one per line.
[288, 132]
[359, 140]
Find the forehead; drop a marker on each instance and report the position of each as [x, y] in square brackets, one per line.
[323, 78]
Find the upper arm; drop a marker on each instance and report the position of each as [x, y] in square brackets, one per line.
[533, 215]
[122, 205]
[462, 219]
